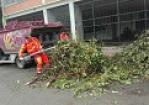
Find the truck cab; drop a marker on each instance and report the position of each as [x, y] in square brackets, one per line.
[13, 35]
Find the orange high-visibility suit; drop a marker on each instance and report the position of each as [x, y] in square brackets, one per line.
[63, 36]
[31, 46]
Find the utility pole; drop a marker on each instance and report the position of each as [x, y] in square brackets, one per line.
[3, 15]
[72, 20]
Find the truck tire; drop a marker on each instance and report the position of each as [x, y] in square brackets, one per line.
[1, 54]
[20, 64]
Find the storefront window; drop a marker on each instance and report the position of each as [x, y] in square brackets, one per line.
[89, 33]
[86, 10]
[131, 5]
[60, 14]
[105, 10]
[106, 20]
[114, 20]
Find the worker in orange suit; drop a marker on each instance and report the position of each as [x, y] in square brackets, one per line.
[64, 36]
[32, 45]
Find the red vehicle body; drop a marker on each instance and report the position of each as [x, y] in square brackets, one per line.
[12, 37]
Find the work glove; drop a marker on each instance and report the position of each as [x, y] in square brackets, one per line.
[21, 58]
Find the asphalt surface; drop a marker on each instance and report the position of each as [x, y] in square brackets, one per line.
[14, 92]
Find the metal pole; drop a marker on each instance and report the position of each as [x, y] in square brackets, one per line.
[145, 14]
[93, 16]
[72, 19]
[3, 15]
[45, 16]
[118, 25]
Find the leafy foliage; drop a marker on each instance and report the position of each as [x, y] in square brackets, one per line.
[83, 68]
[76, 59]
[135, 58]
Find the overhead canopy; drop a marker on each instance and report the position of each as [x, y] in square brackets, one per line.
[32, 24]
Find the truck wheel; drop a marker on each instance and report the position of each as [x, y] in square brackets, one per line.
[1, 54]
[20, 64]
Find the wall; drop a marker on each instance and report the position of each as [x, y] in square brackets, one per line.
[25, 5]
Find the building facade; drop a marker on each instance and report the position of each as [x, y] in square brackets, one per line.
[0, 16]
[103, 20]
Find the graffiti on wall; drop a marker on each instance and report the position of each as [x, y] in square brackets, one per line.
[13, 40]
[9, 44]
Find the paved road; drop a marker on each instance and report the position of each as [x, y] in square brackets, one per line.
[13, 92]
[136, 94]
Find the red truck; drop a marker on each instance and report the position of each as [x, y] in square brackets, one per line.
[12, 37]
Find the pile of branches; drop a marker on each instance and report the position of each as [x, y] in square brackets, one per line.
[135, 58]
[82, 66]
[76, 60]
